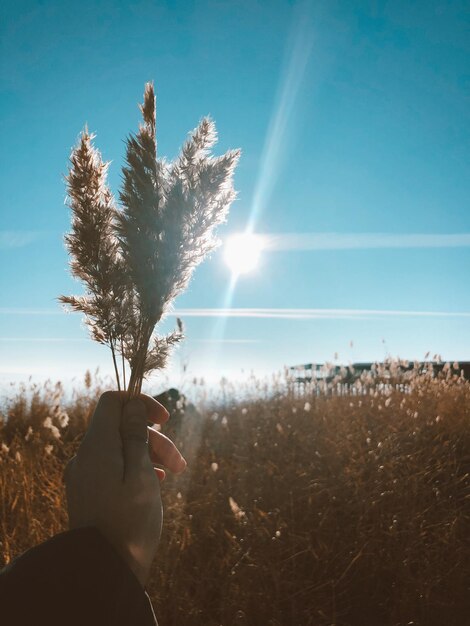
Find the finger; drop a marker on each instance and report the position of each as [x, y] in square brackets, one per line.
[107, 414]
[105, 422]
[164, 452]
[161, 474]
[134, 437]
[156, 412]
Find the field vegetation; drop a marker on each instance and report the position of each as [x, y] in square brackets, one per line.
[302, 504]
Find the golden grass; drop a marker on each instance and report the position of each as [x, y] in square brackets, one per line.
[345, 510]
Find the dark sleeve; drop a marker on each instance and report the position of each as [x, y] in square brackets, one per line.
[75, 578]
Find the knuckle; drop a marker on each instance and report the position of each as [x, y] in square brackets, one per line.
[137, 439]
[135, 429]
[136, 405]
[108, 399]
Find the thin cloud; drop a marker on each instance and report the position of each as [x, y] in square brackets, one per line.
[10, 239]
[362, 241]
[273, 313]
[80, 339]
[27, 311]
[289, 314]
[42, 339]
[232, 341]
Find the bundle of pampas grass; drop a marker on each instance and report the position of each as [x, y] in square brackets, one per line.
[135, 258]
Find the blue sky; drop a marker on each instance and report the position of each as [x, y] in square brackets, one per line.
[353, 120]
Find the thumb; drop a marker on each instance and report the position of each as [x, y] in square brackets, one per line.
[134, 435]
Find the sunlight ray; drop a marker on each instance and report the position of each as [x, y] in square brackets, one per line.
[298, 53]
[218, 330]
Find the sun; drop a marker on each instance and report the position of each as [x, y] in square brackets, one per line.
[242, 252]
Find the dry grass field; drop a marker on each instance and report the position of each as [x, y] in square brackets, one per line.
[315, 506]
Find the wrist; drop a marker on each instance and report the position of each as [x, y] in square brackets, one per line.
[128, 555]
[133, 558]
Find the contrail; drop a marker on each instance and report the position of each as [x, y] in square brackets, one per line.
[289, 314]
[84, 339]
[224, 341]
[44, 339]
[275, 313]
[27, 311]
[10, 239]
[361, 241]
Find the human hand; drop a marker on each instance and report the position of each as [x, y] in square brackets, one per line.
[112, 484]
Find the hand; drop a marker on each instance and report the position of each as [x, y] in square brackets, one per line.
[112, 484]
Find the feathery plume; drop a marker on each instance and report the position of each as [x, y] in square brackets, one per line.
[135, 259]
